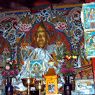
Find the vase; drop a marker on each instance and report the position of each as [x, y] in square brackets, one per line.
[67, 86]
[8, 86]
[72, 81]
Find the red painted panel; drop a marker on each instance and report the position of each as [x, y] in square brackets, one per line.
[93, 63]
[88, 1]
[41, 2]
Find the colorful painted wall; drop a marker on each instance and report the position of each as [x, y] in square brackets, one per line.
[17, 29]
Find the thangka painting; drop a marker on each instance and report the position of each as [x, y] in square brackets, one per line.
[90, 43]
[88, 16]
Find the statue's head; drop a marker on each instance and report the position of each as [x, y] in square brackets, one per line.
[41, 36]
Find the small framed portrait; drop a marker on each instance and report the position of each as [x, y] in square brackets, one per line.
[51, 88]
[36, 68]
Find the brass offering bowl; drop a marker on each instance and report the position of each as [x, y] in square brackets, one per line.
[28, 82]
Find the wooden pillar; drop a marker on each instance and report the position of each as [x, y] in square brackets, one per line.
[93, 64]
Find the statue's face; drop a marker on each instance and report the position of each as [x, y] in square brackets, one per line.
[41, 39]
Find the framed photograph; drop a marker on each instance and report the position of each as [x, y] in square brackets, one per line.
[85, 86]
[36, 68]
[51, 88]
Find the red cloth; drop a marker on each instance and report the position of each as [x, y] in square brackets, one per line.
[88, 1]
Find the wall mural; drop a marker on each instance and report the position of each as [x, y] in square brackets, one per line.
[63, 35]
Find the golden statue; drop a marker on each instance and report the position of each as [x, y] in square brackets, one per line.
[41, 37]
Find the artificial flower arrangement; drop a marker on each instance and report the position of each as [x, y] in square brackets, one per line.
[10, 69]
[68, 69]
